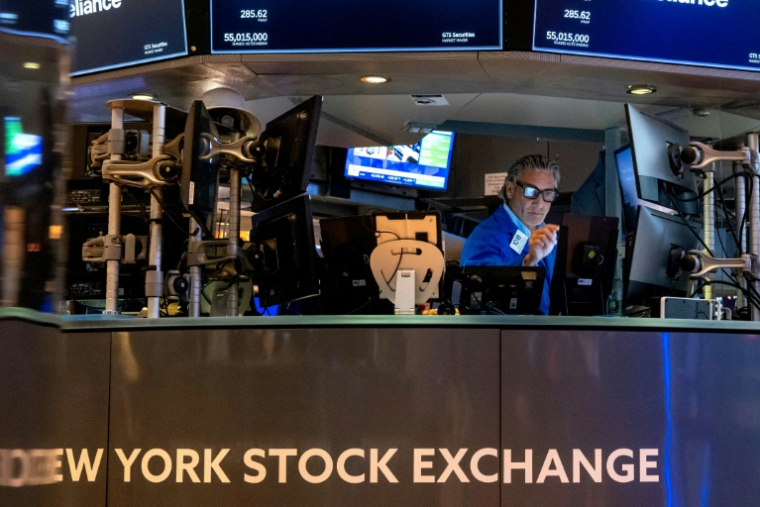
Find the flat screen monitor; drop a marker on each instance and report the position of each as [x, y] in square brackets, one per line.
[585, 265]
[111, 34]
[282, 252]
[286, 154]
[627, 180]
[651, 268]
[424, 165]
[349, 286]
[238, 26]
[199, 180]
[502, 290]
[660, 177]
[670, 31]
[48, 18]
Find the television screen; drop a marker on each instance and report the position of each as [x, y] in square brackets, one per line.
[111, 34]
[23, 152]
[48, 18]
[423, 165]
[670, 31]
[238, 26]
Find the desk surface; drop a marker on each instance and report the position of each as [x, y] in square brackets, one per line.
[99, 322]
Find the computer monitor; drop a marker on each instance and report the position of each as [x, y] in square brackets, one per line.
[199, 181]
[628, 190]
[660, 177]
[285, 150]
[585, 265]
[424, 165]
[502, 290]
[282, 253]
[653, 254]
[348, 285]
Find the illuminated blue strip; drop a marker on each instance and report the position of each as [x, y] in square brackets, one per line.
[669, 432]
[705, 493]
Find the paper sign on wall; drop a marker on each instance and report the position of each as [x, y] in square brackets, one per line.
[493, 182]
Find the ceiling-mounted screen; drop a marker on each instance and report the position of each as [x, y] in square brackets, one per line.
[40, 18]
[714, 33]
[111, 34]
[282, 26]
[423, 165]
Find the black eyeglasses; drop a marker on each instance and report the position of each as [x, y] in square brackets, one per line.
[531, 192]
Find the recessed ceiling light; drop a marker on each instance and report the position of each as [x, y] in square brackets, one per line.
[375, 79]
[31, 65]
[641, 89]
[143, 96]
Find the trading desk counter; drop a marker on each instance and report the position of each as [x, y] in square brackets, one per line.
[378, 411]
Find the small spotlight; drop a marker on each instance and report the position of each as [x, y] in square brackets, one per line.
[375, 79]
[641, 89]
[31, 65]
[143, 96]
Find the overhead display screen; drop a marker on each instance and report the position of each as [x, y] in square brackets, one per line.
[281, 26]
[116, 33]
[713, 33]
[48, 18]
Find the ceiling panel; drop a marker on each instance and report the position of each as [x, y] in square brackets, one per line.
[515, 88]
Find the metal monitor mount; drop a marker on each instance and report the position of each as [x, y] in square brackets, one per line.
[162, 169]
[699, 157]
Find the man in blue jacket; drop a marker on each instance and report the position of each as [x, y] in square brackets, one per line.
[516, 235]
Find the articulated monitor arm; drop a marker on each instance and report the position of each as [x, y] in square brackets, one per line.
[699, 155]
[698, 264]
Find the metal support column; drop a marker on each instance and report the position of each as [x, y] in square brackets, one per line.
[114, 222]
[194, 306]
[154, 281]
[754, 216]
[740, 203]
[708, 214]
[234, 237]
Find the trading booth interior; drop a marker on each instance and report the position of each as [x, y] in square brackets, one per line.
[283, 189]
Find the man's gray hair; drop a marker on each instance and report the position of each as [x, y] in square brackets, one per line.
[529, 163]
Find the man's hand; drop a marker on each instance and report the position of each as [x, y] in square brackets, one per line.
[541, 243]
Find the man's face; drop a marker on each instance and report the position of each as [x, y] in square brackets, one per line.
[531, 212]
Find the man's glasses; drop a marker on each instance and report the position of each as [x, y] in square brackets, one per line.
[531, 192]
